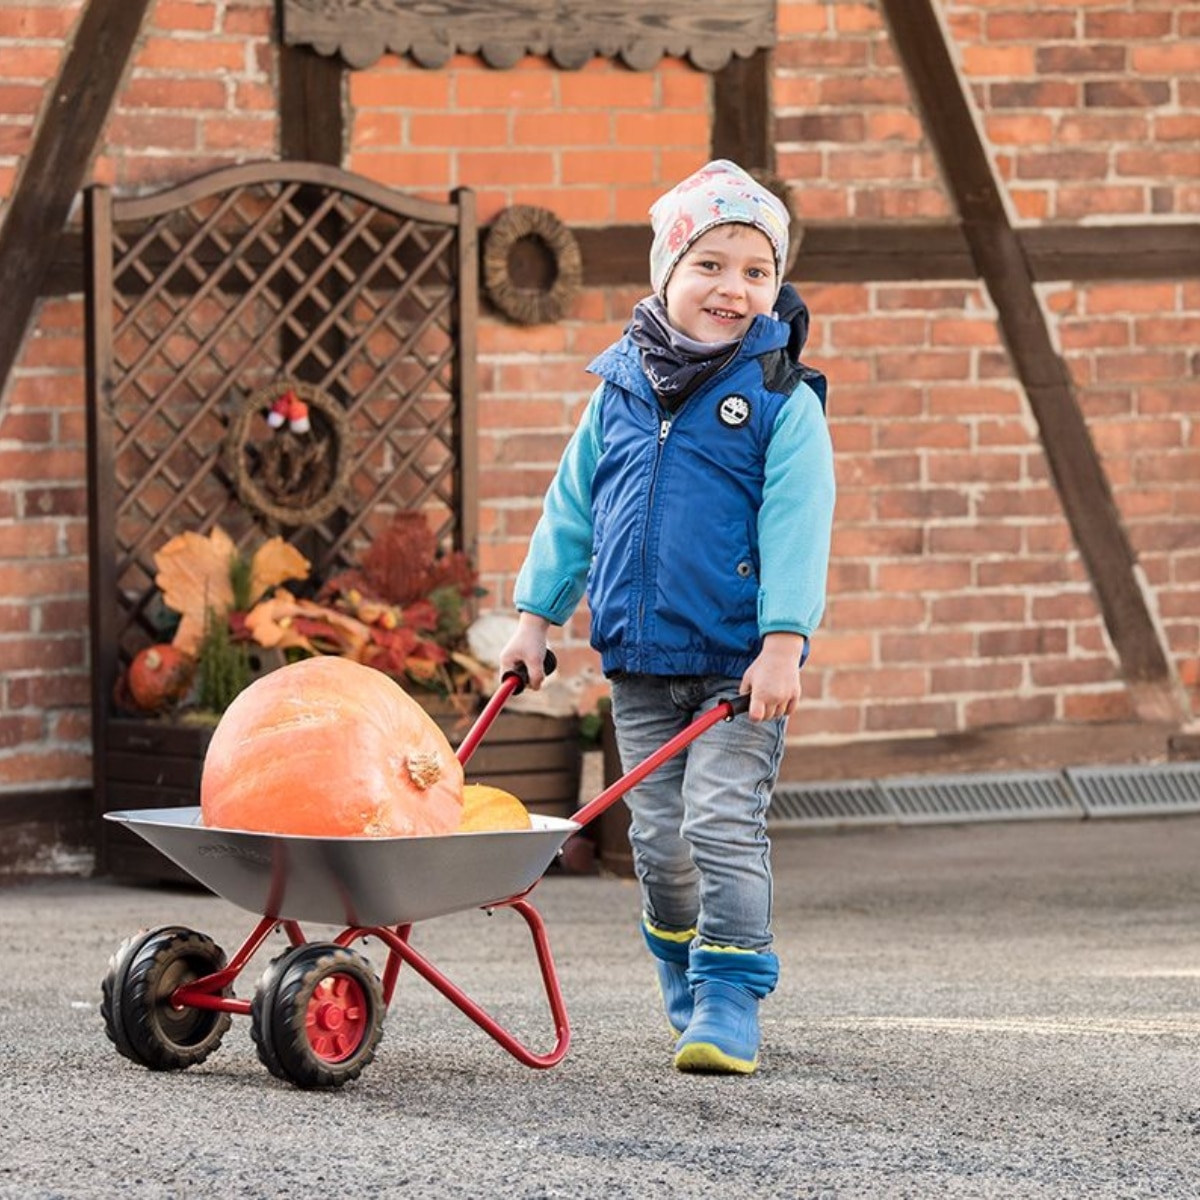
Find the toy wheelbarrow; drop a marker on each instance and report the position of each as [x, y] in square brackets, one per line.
[317, 1013]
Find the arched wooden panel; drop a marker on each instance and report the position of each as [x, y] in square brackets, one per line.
[203, 300]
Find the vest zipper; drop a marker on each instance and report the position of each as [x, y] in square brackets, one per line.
[664, 428]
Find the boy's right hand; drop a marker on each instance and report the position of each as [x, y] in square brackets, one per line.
[527, 646]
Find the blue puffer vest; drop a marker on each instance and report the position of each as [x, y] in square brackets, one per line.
[674, 580]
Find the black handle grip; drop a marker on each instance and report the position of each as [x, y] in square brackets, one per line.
[521, 672]
[738, 704]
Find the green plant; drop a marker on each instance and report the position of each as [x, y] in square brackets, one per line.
[591, 724]
[223, 666]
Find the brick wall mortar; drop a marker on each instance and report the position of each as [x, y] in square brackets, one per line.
[957, 601]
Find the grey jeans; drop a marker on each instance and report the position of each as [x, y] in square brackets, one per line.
[699, 823]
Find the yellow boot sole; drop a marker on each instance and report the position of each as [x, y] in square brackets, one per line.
[705, 1058]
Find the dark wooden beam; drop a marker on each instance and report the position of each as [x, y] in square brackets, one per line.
[838, 253]
[74, 117]
[312, 129]
[941, 97]
[743, 126]
[1086, 253]
[866, 252]
[930, 251]
[68, 804]
[311, 122]
[616, 255]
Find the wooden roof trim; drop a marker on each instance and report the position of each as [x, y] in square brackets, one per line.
[943, 100]
[570, 32]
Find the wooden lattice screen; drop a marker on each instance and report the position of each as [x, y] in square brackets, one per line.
[207, 302]
[208, 306]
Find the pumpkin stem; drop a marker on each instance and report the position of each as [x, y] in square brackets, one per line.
[424, 768]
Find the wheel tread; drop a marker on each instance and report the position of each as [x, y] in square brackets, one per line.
[135, 994]
[280, 1006]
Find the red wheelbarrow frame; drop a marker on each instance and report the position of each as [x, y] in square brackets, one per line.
[207, 991]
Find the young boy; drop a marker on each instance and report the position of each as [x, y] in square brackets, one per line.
[694, 503]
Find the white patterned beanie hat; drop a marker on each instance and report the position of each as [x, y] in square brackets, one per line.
[720, 193]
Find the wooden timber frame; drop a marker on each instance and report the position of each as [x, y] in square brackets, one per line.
[252, 280]
[41, 256]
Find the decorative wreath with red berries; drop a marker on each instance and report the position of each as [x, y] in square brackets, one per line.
[286, 451]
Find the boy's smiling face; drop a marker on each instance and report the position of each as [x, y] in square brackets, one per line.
[724, 280]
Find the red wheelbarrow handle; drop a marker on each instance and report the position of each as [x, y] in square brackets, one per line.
[512, 683]
[726, 710]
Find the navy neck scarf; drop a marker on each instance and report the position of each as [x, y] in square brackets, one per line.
[675, 364]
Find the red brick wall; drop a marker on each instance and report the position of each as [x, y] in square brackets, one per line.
[200, 94]
[44, 685]
[958, 601]
[1132, 352]
[595, 145]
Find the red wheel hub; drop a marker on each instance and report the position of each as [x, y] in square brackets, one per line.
[337, 1018]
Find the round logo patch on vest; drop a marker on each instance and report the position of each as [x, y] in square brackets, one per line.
[734, 411]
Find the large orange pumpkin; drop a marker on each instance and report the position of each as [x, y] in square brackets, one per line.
[486, 807]
[326, 747]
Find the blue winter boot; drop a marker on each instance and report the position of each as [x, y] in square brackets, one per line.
[727, 984]
[670, 950]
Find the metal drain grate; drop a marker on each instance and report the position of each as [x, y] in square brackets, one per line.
[858, 803]
[1135, 790]
[1139, 791]
[1012, 796]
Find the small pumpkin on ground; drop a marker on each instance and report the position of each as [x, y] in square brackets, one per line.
[491, 808]
[326, 747]
[159, 676]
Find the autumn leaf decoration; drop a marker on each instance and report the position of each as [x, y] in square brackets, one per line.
[283, 622]
[196, 575]
[404, 609]
[412, 603]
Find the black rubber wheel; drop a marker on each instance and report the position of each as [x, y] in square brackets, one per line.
[260, 1025]
[317, 1015]
[142, 976]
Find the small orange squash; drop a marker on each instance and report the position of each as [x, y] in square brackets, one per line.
[489, 808]
[160, 675]
[326, 747]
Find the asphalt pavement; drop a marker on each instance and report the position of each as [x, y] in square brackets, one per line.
[990, 1010]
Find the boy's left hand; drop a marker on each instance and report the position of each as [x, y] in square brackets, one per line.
[773, 678]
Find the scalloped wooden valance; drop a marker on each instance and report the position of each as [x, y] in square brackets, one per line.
[570, 32]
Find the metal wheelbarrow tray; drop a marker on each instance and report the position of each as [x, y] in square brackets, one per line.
[353, 880]
[317, 1012]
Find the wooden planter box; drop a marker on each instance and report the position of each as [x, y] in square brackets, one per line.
[147, 764]
[157, 764]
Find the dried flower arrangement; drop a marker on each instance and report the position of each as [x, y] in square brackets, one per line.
[405, 610]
